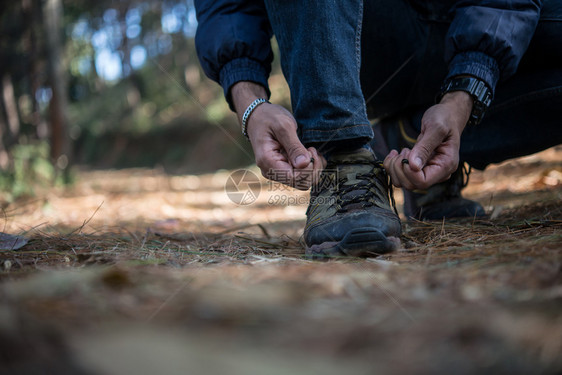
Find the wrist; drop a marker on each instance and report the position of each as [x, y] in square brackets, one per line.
[477, 89]
[460, 99]
[461, 104]
[244, 93]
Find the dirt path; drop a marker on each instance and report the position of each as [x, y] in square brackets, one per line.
[135, 271]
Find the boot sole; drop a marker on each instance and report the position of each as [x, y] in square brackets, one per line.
[359, 242]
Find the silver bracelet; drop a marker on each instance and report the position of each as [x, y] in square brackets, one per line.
[248, 112]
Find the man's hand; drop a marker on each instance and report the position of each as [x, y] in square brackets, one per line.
[279, 153]
[436, 154]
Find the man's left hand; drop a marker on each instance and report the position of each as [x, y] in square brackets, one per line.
[435, 155]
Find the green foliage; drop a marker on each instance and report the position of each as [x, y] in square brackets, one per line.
[30, 169]
[154, 107]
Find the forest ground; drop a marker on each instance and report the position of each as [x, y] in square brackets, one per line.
[137, 271]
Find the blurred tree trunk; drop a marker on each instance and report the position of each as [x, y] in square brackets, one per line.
[11, 107]
[60, 141]
[4, 158]
[125, 45]
[32, 12]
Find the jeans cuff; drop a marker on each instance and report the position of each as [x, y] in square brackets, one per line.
[354, 135]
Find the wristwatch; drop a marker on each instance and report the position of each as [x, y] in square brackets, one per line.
[478, 89]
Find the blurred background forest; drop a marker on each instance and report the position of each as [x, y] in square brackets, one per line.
[109, 84]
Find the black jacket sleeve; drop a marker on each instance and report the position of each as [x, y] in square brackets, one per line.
[488, 38]
[233, 42]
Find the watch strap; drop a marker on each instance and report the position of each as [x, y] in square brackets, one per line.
[478, 89]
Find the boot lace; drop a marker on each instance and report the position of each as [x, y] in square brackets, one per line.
[372, 188]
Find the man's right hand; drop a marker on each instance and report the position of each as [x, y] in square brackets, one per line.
[279, 153]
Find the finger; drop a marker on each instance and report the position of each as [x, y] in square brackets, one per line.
[272, 163]
[427, 177]
[388, 165]
[408, 176]
[281, 172]
[298, 155]
[411, 178]
[400, 169]
[387, 161]
[427, 142]
[319, 165]
[392, 170]
[438, 169]
[304, 178]
[319, 157]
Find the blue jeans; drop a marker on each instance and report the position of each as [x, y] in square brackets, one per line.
[338, 69]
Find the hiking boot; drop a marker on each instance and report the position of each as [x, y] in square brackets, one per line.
[443, 200]
[350, 213]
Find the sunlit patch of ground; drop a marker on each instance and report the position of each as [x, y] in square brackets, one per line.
[137, 271]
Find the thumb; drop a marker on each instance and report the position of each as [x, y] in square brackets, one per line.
[298, 155]
[423, 149]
